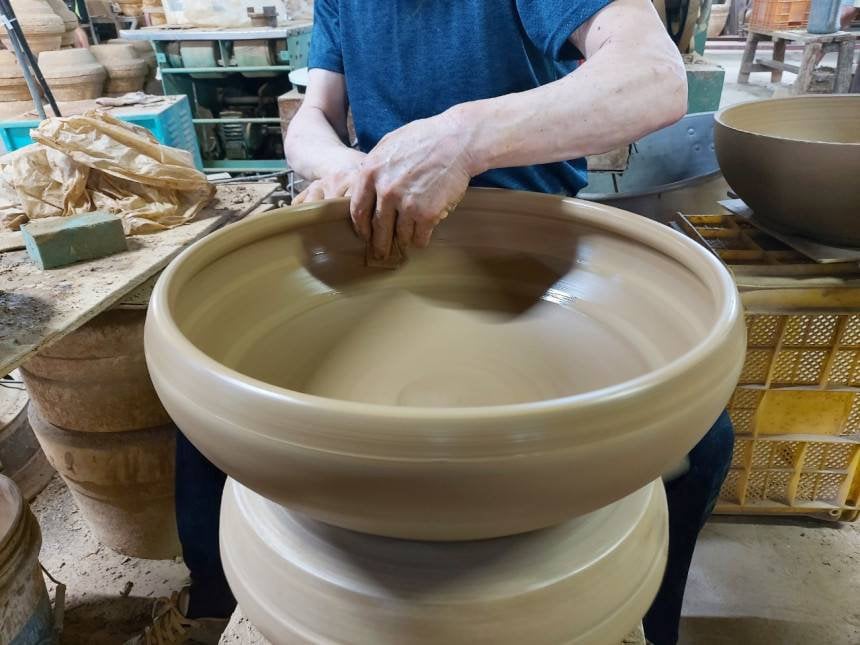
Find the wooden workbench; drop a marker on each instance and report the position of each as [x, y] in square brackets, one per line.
[40, 307]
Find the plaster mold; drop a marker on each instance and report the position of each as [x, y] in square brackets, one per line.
[586, 581]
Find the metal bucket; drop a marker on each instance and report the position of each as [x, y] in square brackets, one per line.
[25, 610]
[95, 379]
[673, 169]
[123, 483]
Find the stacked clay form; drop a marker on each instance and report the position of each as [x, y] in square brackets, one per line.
[101, 425]
[70, 22]
[144, 52]
[42, 28]
[526, 378]
[73, 74]
[13, 87]
[126, 71]
[132, 8]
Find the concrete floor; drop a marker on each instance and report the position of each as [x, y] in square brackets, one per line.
[774, 582]
[759, 86]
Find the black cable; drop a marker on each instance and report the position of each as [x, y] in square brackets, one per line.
[6, 8]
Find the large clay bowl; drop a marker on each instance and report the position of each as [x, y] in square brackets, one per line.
[588, 580]
[795, 162]
[544, 357]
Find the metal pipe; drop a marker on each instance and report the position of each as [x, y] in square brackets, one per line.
[225, 70]
[238, 119]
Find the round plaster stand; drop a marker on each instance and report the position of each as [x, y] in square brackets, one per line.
[21, 457]
[123, 482]
[25, 609]
[126, 71]
[13, 87]
[153, 12]
[794, 161]
[70, 21]
[540, 347]
[588, 580]
[73, 74]
[42, 28]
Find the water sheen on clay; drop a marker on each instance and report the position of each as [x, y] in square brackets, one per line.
[468, 322]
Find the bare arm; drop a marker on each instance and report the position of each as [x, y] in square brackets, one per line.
[632, 83]
[314, 143]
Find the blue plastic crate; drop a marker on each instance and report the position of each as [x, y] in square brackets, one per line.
[170, 122]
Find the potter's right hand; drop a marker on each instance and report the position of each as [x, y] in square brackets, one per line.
[329, 187]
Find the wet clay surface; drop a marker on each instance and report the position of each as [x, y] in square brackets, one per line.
[538, 310]
[794, 161]
[513, 375]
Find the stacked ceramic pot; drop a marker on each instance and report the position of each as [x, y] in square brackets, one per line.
[465, 449]
[132, 8]
[153, 13]
[126, 70]
[100, 424]
[25, 608]
[13, 87]
[42, 28]
[70, 22]
[73, 74]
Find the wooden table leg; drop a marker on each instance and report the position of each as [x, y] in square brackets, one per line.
[749, 56]
[778, 55]
[843, 67]
[807, 65]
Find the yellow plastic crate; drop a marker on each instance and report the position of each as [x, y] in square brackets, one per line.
[796, 410]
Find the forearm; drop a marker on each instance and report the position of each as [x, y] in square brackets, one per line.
[314, 149]
[609, 101]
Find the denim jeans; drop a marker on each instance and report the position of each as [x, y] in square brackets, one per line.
[691, 499]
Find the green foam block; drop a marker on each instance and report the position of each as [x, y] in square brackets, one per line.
[57, 241]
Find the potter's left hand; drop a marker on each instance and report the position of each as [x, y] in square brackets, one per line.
[410, 182]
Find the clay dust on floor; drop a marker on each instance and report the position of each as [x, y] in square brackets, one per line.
[109, 596]
[754, 581]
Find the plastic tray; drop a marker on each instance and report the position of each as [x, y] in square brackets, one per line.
[772, 15]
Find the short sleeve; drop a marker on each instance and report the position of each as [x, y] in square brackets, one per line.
[326, 51]
[549, 23]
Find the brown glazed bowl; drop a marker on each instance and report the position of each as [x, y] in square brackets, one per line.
[796, 162]
[542, 358]
[587, 581]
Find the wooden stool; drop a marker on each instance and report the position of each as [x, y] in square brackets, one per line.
[815, 45]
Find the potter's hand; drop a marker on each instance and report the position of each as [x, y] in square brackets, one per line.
[410, 182]
[335, 185]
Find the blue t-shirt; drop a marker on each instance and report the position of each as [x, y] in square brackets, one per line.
[411, 59]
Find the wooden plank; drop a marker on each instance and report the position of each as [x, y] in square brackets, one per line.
[803, 36]
[777, 65]
[40, 307]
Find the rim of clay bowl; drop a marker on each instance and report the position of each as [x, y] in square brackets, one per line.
[720, 116]
[696, 259]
